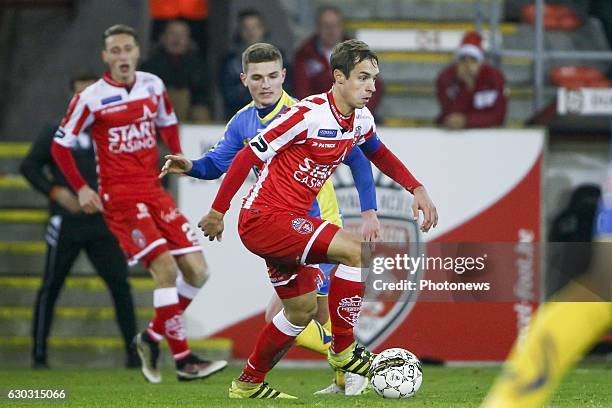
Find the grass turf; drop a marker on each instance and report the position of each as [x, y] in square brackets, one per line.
[586, 386]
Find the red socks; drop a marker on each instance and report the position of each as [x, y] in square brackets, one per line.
[186, 292]
[168, 322]
[272, 343]
[345, 296]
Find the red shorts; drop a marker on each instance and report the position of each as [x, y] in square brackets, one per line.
[148, 227]
[291, 244]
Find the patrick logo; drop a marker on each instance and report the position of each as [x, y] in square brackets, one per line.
[174, 328]
[303, 226]
[349, 308]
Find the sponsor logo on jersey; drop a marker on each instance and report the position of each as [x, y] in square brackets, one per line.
[171, 215]
[331, 133]
[349, 308]
[113, 109]
[139, 238]
[136, 136]
[111, 99]
[302, 225]
[323, 145]
[143, 211]
[314, 175]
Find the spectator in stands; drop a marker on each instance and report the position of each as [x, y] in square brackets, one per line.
[312, 71]
[183, 70]
[251, 30]
[70, 231]
[193, 12]
[470, 92]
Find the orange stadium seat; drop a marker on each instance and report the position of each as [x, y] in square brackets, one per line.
[578, 77]
[557, 17]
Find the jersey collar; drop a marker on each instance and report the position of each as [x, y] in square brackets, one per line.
[109, 79]
[346, 123]
[284, 101]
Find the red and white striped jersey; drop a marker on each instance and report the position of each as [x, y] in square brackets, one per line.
[314, 138]
[123, 123]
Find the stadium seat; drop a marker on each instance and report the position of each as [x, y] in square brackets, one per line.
[557, 17]
[573, 77]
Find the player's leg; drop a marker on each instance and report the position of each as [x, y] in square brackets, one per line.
[109, 262]
[296, 286]
[194, 274]
[62, 251]
[561, 332]
[345, 297]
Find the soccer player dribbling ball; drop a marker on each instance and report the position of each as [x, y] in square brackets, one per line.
[263, 74]
[124, 110]
[298, 152]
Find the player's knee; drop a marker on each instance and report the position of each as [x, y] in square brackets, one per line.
[194, 269]
[352, 254]
[301, 314]
[164, 270]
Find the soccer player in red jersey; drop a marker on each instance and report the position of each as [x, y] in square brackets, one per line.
[297, 153]
[124, 111]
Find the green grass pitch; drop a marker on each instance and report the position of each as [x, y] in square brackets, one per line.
[589, 385]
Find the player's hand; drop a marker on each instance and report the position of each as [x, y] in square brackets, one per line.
[175, 164]
[370, 227]
[212, 225]
[421, 201]
[89, 200]
[66, 199]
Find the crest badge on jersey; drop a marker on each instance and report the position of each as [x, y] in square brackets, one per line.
[302, 225]
[139, 238]
[358, 131]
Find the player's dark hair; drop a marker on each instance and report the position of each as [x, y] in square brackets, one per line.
[324, 9]
[260, 52]
[119, 29]
[250, 12]
[81, 77]
[349, 53]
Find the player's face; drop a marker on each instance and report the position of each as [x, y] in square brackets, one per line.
[121, 54]
[358, 88]
[265, 82]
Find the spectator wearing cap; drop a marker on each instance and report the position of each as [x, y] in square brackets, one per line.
[471, 93]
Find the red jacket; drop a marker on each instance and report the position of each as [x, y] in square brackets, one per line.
[484, 106]
[312, 74]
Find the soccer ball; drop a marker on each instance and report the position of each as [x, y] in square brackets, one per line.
[396, 373]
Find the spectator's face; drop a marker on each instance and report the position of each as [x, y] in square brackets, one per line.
[329, 28]
[176, 38]
[80, 85]
[265, 82]
[252, 30]
[121, 54]
[358, 88]
[468, 67]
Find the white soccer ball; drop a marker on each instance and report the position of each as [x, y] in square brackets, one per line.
[396, 373]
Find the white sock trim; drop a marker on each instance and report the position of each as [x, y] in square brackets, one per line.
[285, 326]
[184, 289]
[350, 273]
[164, 297]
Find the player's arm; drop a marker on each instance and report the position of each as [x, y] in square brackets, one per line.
[361, 170]
[167, 124]
[214, 163]
[79, 117]
[287, 129]
[33, 165]
[389, 164]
